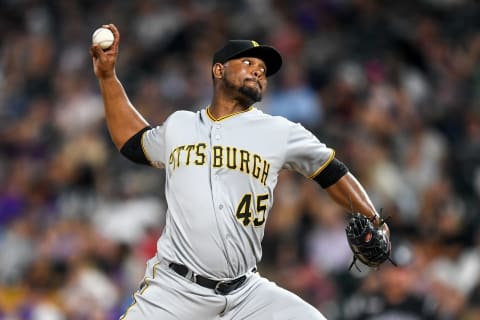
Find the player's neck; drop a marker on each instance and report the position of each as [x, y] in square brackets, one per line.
[220, 108]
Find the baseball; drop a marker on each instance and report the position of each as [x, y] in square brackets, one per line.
[103, 37]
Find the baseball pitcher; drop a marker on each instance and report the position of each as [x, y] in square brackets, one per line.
[222, 164]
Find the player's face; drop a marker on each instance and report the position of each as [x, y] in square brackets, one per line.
[247, 75]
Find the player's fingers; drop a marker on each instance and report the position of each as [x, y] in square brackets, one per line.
[96, 51]
[93, 53]
[116, 34]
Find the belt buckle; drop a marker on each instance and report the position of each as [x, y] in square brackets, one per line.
[218, 289]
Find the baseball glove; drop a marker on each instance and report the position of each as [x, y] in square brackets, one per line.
[370, 245]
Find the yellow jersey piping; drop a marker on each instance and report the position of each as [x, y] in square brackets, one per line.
[143, 148]
[227, 116]
[323, 166]
[155, 164]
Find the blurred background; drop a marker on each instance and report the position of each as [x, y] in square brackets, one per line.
[393, 86]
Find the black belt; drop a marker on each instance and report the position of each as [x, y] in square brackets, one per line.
[220, 287]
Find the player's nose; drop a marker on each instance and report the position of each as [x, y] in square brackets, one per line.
[256, 73]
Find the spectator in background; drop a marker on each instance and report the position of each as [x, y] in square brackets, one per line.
[295, 99]
[390, 295]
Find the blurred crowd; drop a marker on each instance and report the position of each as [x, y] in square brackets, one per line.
[392, 86]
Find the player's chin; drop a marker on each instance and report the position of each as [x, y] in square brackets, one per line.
[253, 94]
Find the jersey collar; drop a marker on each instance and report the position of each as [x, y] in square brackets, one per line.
[228, 116]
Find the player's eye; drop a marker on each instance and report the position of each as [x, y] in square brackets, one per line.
[249, 63]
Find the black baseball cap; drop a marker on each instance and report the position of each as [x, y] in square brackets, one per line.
[249, 48]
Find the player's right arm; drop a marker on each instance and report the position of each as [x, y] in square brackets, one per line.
[123, 120]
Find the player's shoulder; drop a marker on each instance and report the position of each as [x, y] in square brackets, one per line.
[274, 119]
[259, 114]
[181, 116]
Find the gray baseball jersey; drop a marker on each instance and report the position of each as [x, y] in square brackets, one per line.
[220, 176]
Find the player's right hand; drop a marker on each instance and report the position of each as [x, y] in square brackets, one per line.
[104, 60]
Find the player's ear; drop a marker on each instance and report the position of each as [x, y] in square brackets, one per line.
[218, 70]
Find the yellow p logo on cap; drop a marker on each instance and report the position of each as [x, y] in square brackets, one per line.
[255, 43]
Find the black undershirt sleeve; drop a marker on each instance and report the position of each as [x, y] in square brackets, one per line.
[132, 149]
[331, 174]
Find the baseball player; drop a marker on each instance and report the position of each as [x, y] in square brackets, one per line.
[222, 165]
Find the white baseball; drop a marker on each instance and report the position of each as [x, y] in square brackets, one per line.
[103, 37]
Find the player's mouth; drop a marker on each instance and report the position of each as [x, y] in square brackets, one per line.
[257, 83]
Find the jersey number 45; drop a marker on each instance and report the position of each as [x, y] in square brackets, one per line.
[246, 215]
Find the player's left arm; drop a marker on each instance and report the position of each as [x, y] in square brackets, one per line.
[350, 194]
[312, 158]
[368, 239]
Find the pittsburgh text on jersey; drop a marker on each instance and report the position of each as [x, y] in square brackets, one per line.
[222, 157]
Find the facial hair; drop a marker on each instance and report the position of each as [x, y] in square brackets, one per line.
[249, 93]
[253, 94]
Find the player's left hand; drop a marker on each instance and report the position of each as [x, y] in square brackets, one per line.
[370, 244]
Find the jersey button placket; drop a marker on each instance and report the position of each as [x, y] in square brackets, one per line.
[216, 177]
[217, 126]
